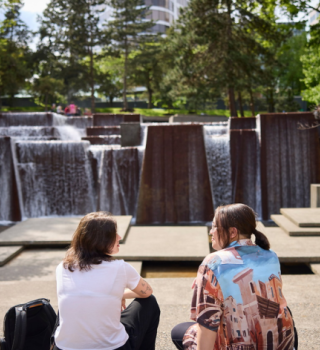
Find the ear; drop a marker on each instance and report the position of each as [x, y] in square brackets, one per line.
[233, 232]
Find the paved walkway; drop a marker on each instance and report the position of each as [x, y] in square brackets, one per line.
[31, 275]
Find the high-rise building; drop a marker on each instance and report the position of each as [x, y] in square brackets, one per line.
[313, 17]
[162, 12]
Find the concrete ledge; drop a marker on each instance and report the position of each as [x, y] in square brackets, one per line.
[166, 243]
[303, 217]
[305, 249]
[315, 195]
[51, 231]
[8, 253]
[292, 229]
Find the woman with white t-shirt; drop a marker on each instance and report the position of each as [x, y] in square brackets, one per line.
[91, 294]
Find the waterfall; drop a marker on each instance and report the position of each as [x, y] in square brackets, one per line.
[217, 145]
[118, 172]
[55, 178]
[28, 132]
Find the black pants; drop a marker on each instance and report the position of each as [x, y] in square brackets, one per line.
[178, 333]
[141, 320]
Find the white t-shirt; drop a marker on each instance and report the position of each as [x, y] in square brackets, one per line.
[90, 305]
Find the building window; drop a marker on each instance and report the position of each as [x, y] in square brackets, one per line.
[231, 317]
[234, 310]
[238, 333]
[235, 320]
[159, 28]
[252, 287]
[280, 292]
[244, 333]
[272, 292]
[285, 312]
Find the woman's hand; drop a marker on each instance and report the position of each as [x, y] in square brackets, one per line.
[123, 304]
[205, 338]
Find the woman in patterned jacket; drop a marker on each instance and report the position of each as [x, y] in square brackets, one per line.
[238, 302]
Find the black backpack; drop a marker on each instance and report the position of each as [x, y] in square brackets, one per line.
[28, 326]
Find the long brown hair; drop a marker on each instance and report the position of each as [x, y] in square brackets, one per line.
[92, 242]
[243, 218]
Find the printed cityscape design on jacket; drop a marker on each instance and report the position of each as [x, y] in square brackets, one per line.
[238, 293]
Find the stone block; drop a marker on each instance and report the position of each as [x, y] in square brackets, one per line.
[180, 118]
[103, 130]
[315, 195]
[290, 161]
[292, 229]
[130, 134]
[242, 123]
[174, 185]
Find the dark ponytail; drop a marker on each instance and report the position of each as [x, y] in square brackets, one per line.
[243, 218]
[261, 240]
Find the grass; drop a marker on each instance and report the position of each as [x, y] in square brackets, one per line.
[154, 112]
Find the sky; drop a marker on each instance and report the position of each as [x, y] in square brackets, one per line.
[32, 8]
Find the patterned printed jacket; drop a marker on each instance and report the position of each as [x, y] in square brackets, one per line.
[238, 294]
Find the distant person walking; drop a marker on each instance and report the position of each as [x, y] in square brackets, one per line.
[72, 109]
[91, 293]
[67, 111]
[59, 110]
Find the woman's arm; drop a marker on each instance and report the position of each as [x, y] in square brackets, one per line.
[205, 338]
[143, 290]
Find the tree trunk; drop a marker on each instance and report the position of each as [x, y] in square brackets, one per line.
[253, 114]
[92, 81]
[0, 101]
[271, 102]
[111, 100]
[125, 103]
[149, 98]
[240, 104]
[45, 102]
[232, 103]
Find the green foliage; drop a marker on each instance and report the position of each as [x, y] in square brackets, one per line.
[14, 51]
[109, 76]
[127, 31]
[69, 34]
[145, 68]
[311, 67]
[46, 89]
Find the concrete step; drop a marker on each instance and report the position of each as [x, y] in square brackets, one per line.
[315, 268]
[103, 139]
[52, 231]
[292, 229]
[103, 130]
[8, 253]
[303, 217]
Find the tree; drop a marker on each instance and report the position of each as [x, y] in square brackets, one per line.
[14, 52]
[127, 30]
[70, 30]
[311, 67]
[47, 88]
[231, 41]
[145, 66]
[109, 76]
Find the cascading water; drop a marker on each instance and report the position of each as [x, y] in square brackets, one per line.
[118, 171]
[217, 144]
[9, 202]
[55, 178]
[28, 132]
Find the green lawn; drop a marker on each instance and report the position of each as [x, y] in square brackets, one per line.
[155, 112]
